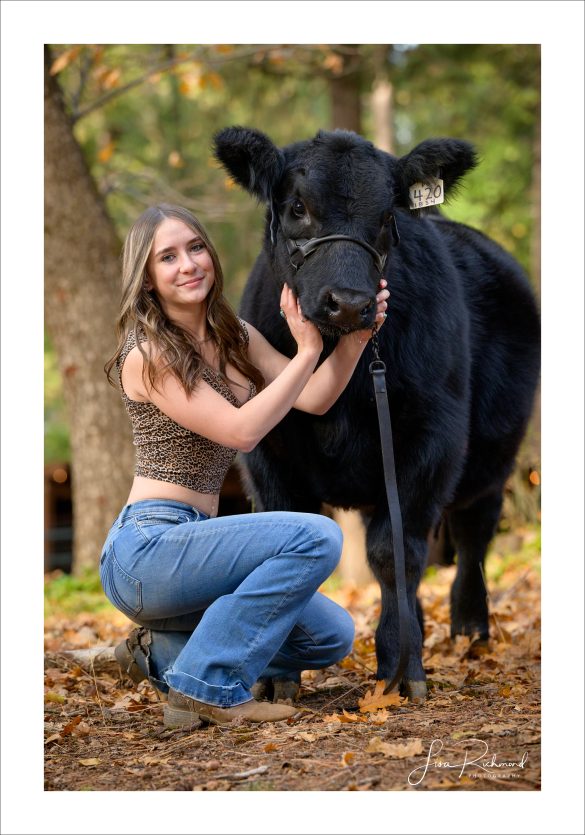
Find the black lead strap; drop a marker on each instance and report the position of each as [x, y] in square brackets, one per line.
[378, 372]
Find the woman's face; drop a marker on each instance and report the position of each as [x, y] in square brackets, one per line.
[179, 267]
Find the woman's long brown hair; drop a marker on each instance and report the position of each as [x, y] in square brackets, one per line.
[175, 350]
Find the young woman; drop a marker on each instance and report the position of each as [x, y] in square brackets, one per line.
[222, 601]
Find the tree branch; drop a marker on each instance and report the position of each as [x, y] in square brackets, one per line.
[198, 56]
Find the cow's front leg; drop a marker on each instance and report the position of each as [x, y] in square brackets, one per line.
[263, 484]
[380, 557]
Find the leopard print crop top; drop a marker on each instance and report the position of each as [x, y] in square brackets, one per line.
[165, 450]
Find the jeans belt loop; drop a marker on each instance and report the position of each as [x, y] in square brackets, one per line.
[122, 516]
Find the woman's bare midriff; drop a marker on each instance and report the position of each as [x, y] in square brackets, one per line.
[150, 488]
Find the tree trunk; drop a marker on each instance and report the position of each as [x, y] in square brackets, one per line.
[81, 296]
[353, 566]
[381, 101]
[344, 91]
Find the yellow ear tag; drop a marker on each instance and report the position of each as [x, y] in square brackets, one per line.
[431, 193]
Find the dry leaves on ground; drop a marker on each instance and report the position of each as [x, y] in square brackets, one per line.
[103, 733]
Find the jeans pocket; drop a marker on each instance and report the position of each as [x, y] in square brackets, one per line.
[121, 589]
[151, 525]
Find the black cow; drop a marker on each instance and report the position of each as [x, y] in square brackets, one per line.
[461, 344]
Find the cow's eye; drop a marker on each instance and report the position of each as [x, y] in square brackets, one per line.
[298, 208]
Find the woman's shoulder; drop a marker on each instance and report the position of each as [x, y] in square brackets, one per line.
[245, 328]
[134, 337]
[249, 333]
[131, 369]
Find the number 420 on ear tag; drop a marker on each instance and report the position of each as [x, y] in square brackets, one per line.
[421, 195]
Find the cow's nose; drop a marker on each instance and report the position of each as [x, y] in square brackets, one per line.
[348, 308]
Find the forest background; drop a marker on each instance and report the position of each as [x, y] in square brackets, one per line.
[130, 125]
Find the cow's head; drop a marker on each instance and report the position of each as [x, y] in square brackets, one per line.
[335, 184]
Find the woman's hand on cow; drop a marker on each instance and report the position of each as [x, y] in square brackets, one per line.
[363, 336]
[305, 333]
[382, 303]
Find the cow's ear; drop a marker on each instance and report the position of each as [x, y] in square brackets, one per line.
[446, 159]
[251, 158]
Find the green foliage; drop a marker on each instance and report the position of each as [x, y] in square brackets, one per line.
[66, 595]
[488, 94]
[518, 551]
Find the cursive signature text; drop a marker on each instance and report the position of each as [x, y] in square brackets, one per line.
[482, 761]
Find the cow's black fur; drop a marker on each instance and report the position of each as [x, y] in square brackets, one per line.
[461, 345]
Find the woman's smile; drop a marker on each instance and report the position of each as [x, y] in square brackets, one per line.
[192, 282]
[179, 260]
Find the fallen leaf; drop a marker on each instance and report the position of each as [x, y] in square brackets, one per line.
[306, 737]
[333, 681]
[129, 698]
[395, 749]
[380, 717]
[375, 700]
[148, 760]
[54, 697]
[345, 717]
[90, 761]
[70, 725]
[438, 660]
[361, 787]
[348, 758]
[518, 690]
[352, 717]
[496, 729]
[272, 747]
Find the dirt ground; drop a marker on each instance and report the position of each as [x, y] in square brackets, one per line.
[478, 730]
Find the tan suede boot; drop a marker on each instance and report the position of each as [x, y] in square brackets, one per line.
[181, 711]
[126, 656]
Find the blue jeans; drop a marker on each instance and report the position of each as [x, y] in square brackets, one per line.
[228, 600]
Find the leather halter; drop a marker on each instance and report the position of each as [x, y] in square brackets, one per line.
[300, 249]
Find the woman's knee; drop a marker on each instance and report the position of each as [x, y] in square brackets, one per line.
[328, 541]
[345, 634]
[338, 640]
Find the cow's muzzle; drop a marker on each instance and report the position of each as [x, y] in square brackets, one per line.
[346, 309]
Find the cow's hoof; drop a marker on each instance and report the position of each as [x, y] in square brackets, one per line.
[477, 648]
[285, 690]
[415, 691]
[276, 690]
[477, 632]
[263, 689]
